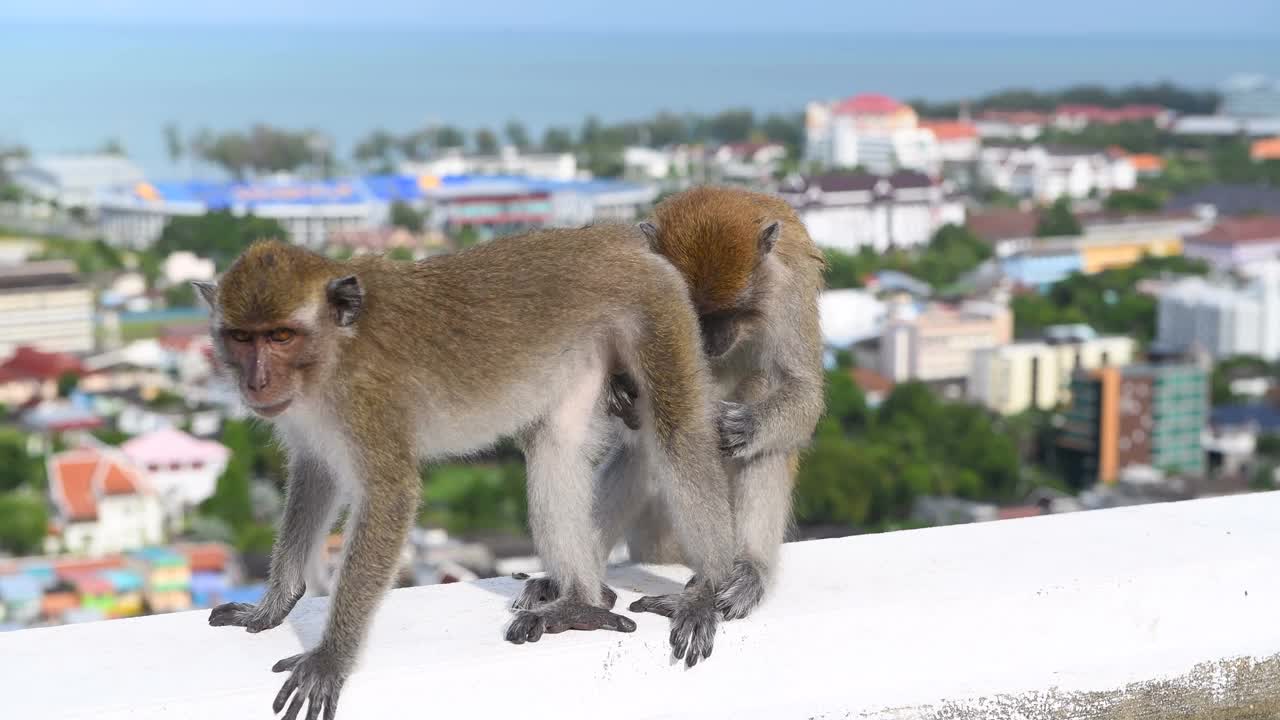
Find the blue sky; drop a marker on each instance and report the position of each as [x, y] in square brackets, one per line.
[1001, 16]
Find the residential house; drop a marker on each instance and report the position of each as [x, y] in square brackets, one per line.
[871, 131]
[1235, 243]
[874, 386]
[143, 365]
[508, 161]
[1078, 117]
[1220, 200]
[1137, 415]
[958, 140]
[1018, 125]
[102, 502]
[212, 572]
[849, 316]
[126, 593]
[19, 599]
[851, 211]
[1221, 316]
[748, 162]
[95, 593]
[1013, 378]
[183, 266]
[45, 305]
[669, 163]
[58, 599]
[31, 375]
[183, 471]
[166, 577]
[1147, 165]
[1045, 173]
[936, 343]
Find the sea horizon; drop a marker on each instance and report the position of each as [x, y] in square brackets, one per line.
[68, 87]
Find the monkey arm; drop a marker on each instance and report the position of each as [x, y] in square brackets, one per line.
[310, 507]
[377, 533]
[777, 414]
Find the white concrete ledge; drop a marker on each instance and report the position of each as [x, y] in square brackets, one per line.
[1166, 610]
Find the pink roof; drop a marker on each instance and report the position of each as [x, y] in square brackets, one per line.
[868, 104]
[77, 478]
[170, 445]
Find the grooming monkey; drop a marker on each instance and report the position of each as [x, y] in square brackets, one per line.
[754, 276]
[368, 366]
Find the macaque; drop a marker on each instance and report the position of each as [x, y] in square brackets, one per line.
[368, 367]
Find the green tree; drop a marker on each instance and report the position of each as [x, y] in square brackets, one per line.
[845, 402]
[486, 141]
[24, 522]
[231, 500]
[448, 136]
[67, 383]
[219, 235]
[517, 135]
[733, 125]
[15, 465]
[377, 151]
[400, 254]
[404, 216]
[173, 144]
[1058, 220]
[1134, 201]
[181, 295]
[467, 236]
[557, 140]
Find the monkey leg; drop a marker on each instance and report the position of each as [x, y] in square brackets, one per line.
[762, 508]
[540, 591]
[310, 508]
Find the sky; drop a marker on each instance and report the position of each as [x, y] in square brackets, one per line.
[844, 16]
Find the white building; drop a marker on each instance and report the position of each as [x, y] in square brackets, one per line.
[937, 343]
[183, 470]
[75, 180]
[748, 162]
[1223, 318]
[1013, 378]
[848, 212]
[676, 161]
[1045, 173]
[1020, 125]
[102, 503]
[45, 305]
[183, 266]
[871, 131]
[508, 161]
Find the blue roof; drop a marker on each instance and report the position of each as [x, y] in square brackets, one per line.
[248, 594]
[122, 580]
[1266, 417]
[19, 587]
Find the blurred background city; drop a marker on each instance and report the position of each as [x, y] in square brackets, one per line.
[1053, 236]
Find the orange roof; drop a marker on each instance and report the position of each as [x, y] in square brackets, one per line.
[78, 566]
[1265, 149]
[950, 129]
[1147, 162]
[870, 380]
[77, 478]
[868, 104]
[209, 557]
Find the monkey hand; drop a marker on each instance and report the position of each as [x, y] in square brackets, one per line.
[540, 591]
[737, 426]
[561, 615]
[255, 618]
[316, 679]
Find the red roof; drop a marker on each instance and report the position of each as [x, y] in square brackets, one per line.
[868, 104]
[77, 478]
[1002, 224]
[1236, 231]
[29, 363]
[1099, 114]
[870, 380]
[1018, 511]
[71, 567]
[1015, 117]
[950, 129]
[208, 557]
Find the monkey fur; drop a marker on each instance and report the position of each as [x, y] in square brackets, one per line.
[368, 367]
[754, 276]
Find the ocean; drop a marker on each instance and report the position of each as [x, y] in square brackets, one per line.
[71, 88]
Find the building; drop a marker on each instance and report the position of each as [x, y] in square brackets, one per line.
[1045, 173]
[183, 266]
[669, 163]
[958, 141]
[849, 316]
[871, 131]
[1075, 118]
[1235, 243]
[508, 161]
[1147, 165]
[102, 503]
[1041, 262]
[1250, 96]
[1114, 238]
[1222, 317]
[747, 162]
[183, 471]
[32, 376]
[1138, 415]
[851, 211]
[75, 181]
[1019, 125]
[875, 387]
[936, 342]
[1013, 378]
[45, 305]
[1220, 200]
[1265, 149]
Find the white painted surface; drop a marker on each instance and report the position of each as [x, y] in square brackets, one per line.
[1083, 601]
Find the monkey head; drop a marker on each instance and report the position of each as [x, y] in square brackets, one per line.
[720, 239]
[278, 315]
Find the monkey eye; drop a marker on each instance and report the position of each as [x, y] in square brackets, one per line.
[281, 335]
[240, 336]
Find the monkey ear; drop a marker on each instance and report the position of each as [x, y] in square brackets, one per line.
[769, 237]
[347, 297]
[650, 231]
[206, 290]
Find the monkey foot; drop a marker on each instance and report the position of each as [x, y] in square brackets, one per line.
[743, 593]
[561, 615]
[540, 591]
[316, 679]
[693, 616]
[255, 618]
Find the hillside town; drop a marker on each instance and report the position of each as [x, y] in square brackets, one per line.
[1058, 307]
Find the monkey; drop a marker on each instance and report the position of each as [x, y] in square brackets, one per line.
[369, 366]
[754, 275]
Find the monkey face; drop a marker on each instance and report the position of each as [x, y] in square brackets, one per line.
[269, 363]
[719, 333]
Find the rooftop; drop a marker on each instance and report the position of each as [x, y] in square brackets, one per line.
[1239, 231]
[868, 104]
[1159, 611]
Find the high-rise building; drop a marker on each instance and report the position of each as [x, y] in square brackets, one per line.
[1013, 378]
[1223, 318]
[1139, 415]
[45, 305]
[871, 131]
